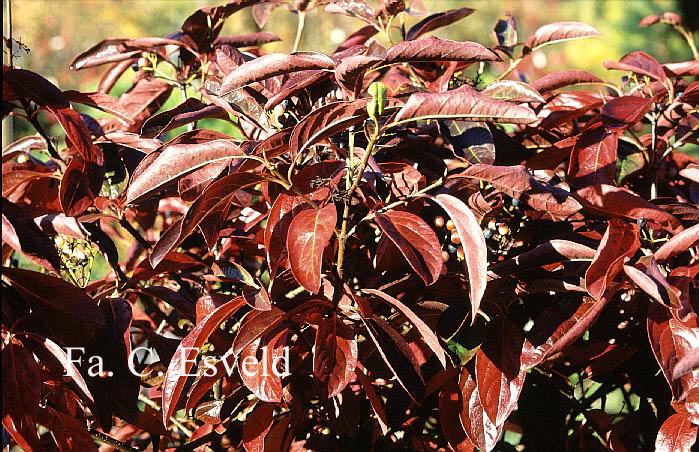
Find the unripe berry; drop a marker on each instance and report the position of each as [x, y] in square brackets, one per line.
[439, 221]
[450, 225]
[503, 229]
[445, 256]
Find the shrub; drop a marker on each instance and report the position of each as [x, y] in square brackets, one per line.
[432, 261]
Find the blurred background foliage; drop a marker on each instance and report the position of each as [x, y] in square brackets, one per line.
[57, 30]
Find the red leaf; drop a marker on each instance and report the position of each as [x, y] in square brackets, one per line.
[173, 162]
[349, 73]
[568, 324]
[558, 32]
[550, 252]
[415, 240]
[257, 370]
[271, 65]
[182, 362]
[254, 325]
[678, 244]
[640, 63]
[499, 370]
[593, 158]
[326, 121]
[396, 354]
[677, 434]
[425, 331]
[257, 425]
[80, 186]
[557, 80]
[54, 299]
[437, 20]
[516, 181]
[449, 410]
[625, 111]
[476, 258]
[191, 110]
[283, 211]
[216, 196]
[436, 49]
[620, 241]
[21, 233]
[610, 201]
[70, 433]
[463, 104]
[101, 101]
[334, 354]
[309, 233]
[660, 339]
[21, 381]
[480, 429]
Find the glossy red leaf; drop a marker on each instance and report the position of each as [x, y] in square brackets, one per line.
[271, 65]
[21, 387]
[256, 365]
[678, 244]
[432, 48]
[677, 434]
[255, 39]
[326, 121]
[549, 252]
[517, 182]
[349, 73]
[396, 354]
[425, 331]
[558, 32]
[450, 405]
[257, 425]
[463, 104]
[609, 201]
[183, 359]
[688, 363]
[173, 162]
[620, 241]
[475, 249]
[80, 186]
[216, 196]
[480, 429]
[101, 101]
[639, 62]
[191, 110]
[334, 355]
[416, 241]
[21, 233]
[56, 299]
[499, 370]
[649, 278]
[625, 111]
[561, 79]
[513, 91]
[309, 233]
[254, 325]
[70, 433]
[281, 214]
[559, 326]
[593, 158]
[437, 20]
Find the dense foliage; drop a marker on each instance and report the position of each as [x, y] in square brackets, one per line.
[440, 262]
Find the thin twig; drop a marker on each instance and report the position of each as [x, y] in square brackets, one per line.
[299, 30]
[101, 438]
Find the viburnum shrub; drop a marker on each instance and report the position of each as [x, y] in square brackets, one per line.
[388, 253]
